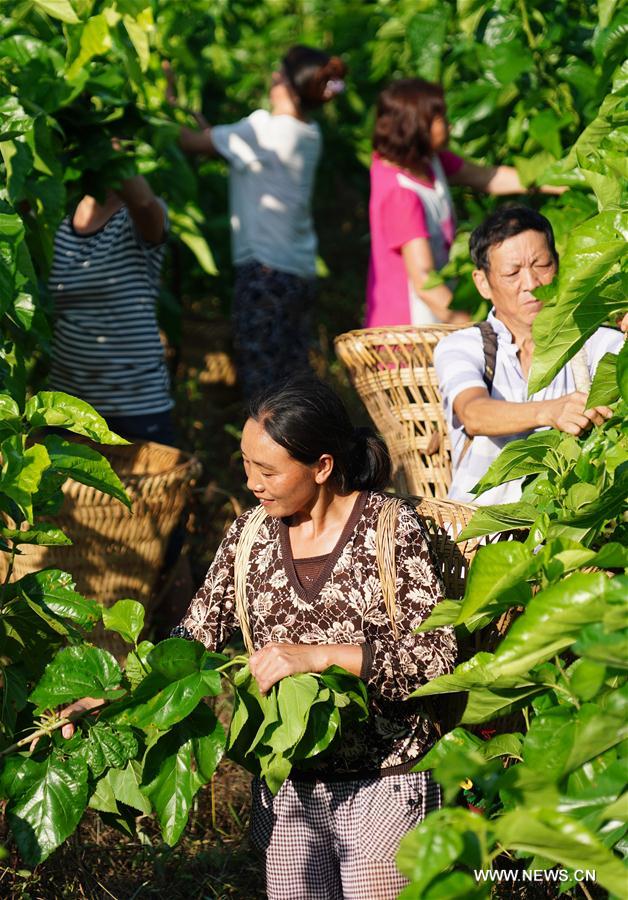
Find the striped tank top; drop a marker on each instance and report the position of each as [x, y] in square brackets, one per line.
[106, 346]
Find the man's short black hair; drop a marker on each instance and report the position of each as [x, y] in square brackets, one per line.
[504, 223]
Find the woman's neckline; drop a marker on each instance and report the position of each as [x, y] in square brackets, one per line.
[332, 557]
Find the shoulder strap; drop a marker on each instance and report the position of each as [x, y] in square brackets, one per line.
[385, 556]
[489, 345]
[241, 569]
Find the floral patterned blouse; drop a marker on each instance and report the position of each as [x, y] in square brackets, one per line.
[344, 607]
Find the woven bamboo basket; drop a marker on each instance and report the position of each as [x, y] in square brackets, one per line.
[444, 521]
[392, 369]
[117, 552]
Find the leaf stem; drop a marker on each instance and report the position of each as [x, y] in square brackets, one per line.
[236, 661]
[44, 732]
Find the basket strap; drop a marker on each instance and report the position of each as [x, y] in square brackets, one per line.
[489, 348]
[240, 572]
[385, 555]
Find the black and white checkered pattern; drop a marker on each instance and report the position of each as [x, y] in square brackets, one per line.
[338, 840]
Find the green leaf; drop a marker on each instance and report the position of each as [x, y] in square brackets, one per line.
[323, 725]
[137, 665]
[10, 415]
[561, 328]
[444, 613]
[59, 410]
[532, 170]
[295, 696]
[475, 672]
[498, 571]
[170, 704]
[551, 622]
[456, 740]
[48, 806]
[44, 536]
[95, 41]
[22, 472]
[108, 746]
[561, 839]
[604, 389]
[518, 459]
[138, 30]
[596, 643]
[502, 745]
[545, 128]
[53, 591]
[485, 704]
[587, 677]
[496, 519]
[126, 618]
[426, 33]
[76, 672]
[125, 786]
[175, 658]
[188, 231]
[435, 845]
[178, 765]
[86, 465]
[59, 9]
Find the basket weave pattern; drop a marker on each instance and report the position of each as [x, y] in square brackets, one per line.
[392, 369]
[117, 552]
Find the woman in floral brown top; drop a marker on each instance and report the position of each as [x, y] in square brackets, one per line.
[315, 600]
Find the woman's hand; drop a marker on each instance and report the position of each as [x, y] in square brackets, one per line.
[75, 709]
[275, 661]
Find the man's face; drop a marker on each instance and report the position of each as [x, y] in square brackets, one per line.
[517, 267]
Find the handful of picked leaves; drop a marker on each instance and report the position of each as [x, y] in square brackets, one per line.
[300, 717]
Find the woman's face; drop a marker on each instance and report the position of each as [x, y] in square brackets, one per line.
[439, 133]
[282, 484]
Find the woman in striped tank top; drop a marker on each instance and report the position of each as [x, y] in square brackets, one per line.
[104, 282]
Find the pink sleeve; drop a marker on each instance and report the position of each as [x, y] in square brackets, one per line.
[403, 218]
[450, 162]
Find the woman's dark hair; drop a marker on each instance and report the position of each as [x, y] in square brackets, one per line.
[405, 112]
[504, 223]
[308, 419]
[314, 76]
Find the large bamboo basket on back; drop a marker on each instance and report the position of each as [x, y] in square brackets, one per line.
[392, 369]
[116, 552]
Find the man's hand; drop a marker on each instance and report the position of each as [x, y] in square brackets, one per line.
[569, 413]
[275, 661]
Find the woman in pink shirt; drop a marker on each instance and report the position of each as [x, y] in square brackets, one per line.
[411, 212]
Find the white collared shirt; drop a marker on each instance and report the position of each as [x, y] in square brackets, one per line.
[459, 363]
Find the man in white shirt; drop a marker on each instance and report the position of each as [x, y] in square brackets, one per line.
[514, 253]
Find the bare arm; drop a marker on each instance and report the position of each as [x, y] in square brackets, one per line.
[480, 414]
[275, 661]
[496, 180]
[144, 208]
[419, 262]
[192, 141]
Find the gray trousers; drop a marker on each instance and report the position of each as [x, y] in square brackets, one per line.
[338, 840]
